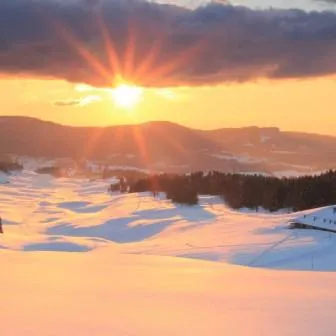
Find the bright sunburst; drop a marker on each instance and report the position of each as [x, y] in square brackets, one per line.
[127, 96]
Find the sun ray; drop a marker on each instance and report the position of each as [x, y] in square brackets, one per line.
[167, 69]
[173, 142]
[130, 50]
[143, 70]
[74, 42]
[108, 42]
[141, 144]
[140, 141]
[69, 37]
[93, 142]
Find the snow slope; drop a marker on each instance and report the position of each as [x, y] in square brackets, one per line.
[107, 293]
[78, 261]
[41, 213]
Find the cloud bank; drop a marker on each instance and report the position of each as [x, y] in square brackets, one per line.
[94, 42]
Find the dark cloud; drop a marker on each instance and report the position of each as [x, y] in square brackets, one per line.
[162, 45]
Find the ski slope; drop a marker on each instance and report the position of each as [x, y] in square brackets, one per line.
[77, 260]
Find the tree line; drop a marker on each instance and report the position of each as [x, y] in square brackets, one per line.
[250, 191]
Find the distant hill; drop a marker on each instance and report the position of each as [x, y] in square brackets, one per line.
[170, 147]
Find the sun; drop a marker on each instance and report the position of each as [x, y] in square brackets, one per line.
[127, 96]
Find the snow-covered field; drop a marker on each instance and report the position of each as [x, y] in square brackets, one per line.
[78, 261]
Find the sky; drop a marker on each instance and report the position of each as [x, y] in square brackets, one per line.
[203, 64]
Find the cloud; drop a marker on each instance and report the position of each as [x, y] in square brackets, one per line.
[331, 2]
[77, 102]
[223, 2]
[191, 3]
[153, 44]
[66, 103]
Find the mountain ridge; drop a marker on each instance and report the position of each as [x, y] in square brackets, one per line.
[167, 146]
[164, 122]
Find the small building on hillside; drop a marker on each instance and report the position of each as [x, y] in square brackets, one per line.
[323, 219]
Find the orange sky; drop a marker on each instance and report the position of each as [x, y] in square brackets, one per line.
[302, 105]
